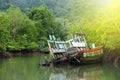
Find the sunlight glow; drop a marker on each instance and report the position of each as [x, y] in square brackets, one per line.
[114, 5]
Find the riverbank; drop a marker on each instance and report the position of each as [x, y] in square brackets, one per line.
[10, 54]
[110, 56]
[5, 55]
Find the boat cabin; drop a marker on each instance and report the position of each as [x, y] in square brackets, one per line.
[62, 47]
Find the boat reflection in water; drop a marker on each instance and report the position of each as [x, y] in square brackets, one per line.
[77, 73]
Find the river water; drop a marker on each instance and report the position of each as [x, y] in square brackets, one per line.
[26, 68]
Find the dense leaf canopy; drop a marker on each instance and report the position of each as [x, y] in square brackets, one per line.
[34, 20]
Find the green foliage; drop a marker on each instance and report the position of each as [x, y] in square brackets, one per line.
[58, 7]
[21, 33]
[4, 4]
[14, 46]
[61, 31]
[4, 32]
[44, 16]
[46, 24]
[98, 20]
[22, 29]
[104, 29]
[32, 46]
[73, 29]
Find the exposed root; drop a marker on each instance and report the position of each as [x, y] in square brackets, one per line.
[117, 62]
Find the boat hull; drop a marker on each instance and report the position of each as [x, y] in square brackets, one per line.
[88, 60]
[80, 57]
[91, 55]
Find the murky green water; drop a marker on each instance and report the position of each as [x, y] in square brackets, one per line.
[26, 68]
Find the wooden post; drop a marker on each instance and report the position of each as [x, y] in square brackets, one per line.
[50, 49]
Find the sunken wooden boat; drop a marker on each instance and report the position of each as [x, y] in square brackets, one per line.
[74, 51]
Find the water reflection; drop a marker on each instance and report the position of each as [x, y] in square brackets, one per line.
[26, 68]
[77, 73]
